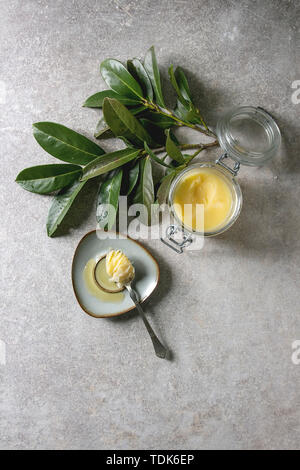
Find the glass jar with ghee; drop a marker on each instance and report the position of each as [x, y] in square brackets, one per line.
[205, 199]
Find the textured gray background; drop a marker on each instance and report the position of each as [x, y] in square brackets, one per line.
[229, 314]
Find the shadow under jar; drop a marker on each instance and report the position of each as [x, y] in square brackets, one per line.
[247, 136]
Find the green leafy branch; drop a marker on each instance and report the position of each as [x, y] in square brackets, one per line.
[134, 111]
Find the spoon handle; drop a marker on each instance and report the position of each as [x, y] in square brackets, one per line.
[160, 350]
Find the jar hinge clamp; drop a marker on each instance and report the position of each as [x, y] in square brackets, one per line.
[234, 170]
[170, 241]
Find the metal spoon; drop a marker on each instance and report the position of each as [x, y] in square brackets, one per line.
[160, 350]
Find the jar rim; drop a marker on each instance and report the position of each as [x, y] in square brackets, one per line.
[230, 179]
[247, 115]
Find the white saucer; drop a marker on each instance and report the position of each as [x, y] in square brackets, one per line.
[97, 243]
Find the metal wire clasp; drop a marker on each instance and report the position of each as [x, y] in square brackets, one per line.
[177, 246]
[234, 170]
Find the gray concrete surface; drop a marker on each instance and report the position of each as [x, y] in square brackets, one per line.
[229, 314]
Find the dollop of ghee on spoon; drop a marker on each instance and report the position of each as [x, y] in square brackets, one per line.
[119, 267]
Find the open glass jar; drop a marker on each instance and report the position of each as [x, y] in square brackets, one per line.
[248, 136]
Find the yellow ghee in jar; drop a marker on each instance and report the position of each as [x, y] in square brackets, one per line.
[202, 186]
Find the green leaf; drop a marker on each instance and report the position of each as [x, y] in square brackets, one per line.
[137, 110]
[65, 144]
[123, 123]
[103, 131]
[151, 67]
[133, 176]
[128, 143]
[159, 120]
[173, 137]
[185, 109]
[163, 190]
[154, 157]
[176, 87]
[108, 162]
[175, 166]
[154, 131]
[96, 100]
[61, 204]
[108, 200]
[187, 114]
[137, 70]
[183, 84]
[120, 80]
[45, 179]
[172, 149]
[145, 190]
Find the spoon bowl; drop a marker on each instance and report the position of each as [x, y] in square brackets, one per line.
[104, 283]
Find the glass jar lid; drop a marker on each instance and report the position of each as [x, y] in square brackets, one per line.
[249, 135]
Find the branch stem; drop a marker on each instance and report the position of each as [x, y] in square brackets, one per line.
[178, 122]
[189, 147]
